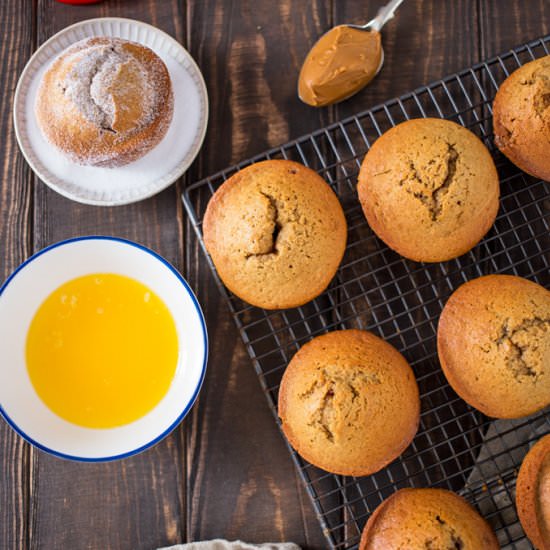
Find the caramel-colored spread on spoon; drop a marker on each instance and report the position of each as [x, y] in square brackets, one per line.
[341, 62]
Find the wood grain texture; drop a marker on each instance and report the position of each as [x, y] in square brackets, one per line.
[137, 502]
[16, 457]
[508, 23]
[226, 470]
[242, 483]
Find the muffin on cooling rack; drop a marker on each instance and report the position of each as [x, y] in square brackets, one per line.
[349, 402]
[521, 118]
[429, 189]
[105, 101]
[533, 494]
[493, 341]
[422, 519]
[276, 233]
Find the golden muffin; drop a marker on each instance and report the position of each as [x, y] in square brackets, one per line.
[493, 341]
[105, 101]
[427, 519]
[349, 402]
[533, 494]
[429, 189]
[521, 118]
[276, 233]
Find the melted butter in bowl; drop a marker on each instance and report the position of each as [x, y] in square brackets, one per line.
[342, 62]
[102, 350]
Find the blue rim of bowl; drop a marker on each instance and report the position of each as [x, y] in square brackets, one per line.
[191, 402]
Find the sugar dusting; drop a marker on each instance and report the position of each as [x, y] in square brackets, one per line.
[137, 179]
[117, 89]
[93, 80]
[90, 82]
[85, 86]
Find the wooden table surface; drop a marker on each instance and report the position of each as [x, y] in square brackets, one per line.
[225, 471]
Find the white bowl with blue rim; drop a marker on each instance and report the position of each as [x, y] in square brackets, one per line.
[23, 293]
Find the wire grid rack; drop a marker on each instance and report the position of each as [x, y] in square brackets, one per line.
[456, 446]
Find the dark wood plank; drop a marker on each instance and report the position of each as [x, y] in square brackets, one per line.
[507, 23]
[137, 502]
[15, 244]
[242, 482]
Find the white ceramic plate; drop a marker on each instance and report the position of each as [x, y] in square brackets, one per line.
[29, 286]
[144, 177]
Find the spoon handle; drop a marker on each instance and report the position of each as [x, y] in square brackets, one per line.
[385, 13]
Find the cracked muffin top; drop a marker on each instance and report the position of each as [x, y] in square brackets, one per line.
[493, 342]
[427, 519]
[521, 118]
[349, 402]
[105, 101]
[429, 189]
[276, 233]
[533, 494]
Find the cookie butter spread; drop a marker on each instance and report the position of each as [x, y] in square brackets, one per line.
[339, 64]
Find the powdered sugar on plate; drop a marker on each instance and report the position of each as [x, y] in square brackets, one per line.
[137, 180]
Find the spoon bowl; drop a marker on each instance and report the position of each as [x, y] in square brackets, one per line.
[344, 60]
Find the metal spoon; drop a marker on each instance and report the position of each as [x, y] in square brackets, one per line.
[309, 89]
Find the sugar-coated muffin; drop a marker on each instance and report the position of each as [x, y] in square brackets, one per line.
[521, 118]
[427, 519]
[493, 341]
[349, 402]
[105, 101]
[533, 494]
[429, 189]
[276, 233]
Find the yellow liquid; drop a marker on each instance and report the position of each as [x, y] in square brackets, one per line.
[102, 350]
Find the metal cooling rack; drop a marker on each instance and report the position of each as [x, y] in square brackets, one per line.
[456, 447]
